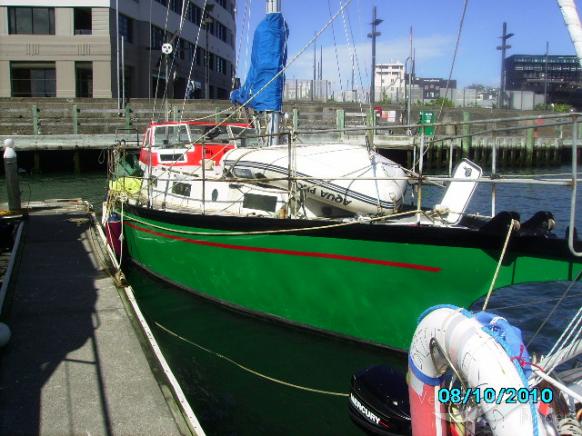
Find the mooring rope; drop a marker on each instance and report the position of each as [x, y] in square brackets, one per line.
[505, 245]
[250, 370]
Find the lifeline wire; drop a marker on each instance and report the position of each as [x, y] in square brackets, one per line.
[249, 370]
[270, 232]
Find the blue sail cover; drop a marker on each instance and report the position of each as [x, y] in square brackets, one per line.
[268, 58]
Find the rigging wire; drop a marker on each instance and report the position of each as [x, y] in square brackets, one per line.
[547, 318]
[177, 43]
[160, 64]
[455, 52]
[284, 69]
[248, 34]
[150, 55]
[240, 37]
[355, 59]
[194, 53]
[459, 33]
[335, 49]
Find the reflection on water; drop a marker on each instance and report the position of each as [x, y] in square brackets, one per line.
[91, 187]
[228, 400]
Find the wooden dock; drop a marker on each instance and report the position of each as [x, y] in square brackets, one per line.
[84, 126]
[75, 364]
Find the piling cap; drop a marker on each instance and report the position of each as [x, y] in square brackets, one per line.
[9, 153]
[9, 142]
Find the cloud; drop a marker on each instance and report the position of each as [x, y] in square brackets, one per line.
[436, 48]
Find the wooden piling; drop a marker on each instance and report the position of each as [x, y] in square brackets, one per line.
[77, 162]
[75, 119]
[467, 140]
[127, 113]
[35, 120]
[530, 145]
[295, 119]
[36, 162]
[340, 120]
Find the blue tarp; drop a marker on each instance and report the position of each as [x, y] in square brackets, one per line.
[268, 58]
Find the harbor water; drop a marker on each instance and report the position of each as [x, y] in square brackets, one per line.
[244, 375]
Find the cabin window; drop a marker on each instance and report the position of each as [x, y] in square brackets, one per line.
[267, 203]
[173, 157]
[183, 189]
[174, 136]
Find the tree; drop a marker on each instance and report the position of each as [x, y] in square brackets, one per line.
[442, 101]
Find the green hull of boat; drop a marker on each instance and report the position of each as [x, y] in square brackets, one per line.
[371, 291]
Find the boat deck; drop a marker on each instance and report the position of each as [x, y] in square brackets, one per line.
[74, 364]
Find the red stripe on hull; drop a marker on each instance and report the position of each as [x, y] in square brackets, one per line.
[289, 252]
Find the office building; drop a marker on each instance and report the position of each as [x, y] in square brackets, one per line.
[61, 48]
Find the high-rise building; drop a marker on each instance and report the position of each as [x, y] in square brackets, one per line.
[431, 87]
[63, 48]
[390, 82]
[532, 73]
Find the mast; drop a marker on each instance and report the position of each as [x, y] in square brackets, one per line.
[572, 19]
[274, 7]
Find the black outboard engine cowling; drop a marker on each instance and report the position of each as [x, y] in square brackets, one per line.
[378, 401]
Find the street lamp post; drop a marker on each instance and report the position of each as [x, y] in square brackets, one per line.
[503, 47]
[546, 76]
[375, 23]
[206, 22]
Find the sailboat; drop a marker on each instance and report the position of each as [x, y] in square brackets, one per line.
[315, 235]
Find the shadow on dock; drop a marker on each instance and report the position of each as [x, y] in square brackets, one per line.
[74, 365]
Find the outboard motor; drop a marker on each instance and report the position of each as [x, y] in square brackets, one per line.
[378, 401]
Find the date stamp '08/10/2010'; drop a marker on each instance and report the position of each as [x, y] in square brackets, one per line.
[495, 396]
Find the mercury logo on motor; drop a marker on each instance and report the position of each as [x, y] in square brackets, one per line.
[364, 411]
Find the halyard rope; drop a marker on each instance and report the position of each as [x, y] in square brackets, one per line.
[249, 370]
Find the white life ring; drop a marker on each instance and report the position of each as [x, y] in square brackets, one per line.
[482, 361]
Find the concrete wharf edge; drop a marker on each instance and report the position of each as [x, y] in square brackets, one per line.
[76, 361]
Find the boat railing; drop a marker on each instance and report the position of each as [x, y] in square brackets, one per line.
[421, 144]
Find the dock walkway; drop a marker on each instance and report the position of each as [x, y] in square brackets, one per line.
[74, 364]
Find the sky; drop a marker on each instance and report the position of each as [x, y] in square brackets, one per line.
[435, 27]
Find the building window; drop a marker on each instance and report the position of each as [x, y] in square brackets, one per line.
[222, 3]
[220, 65]
[194, 14]
[31, 21]
[211, 61]
[163, 2]
[221, 31]
[176, 6]
[200, 55]
[33, 79]
[221, 94]
[83, 21]
[84, 79]
[126, 28]
[158, 38]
